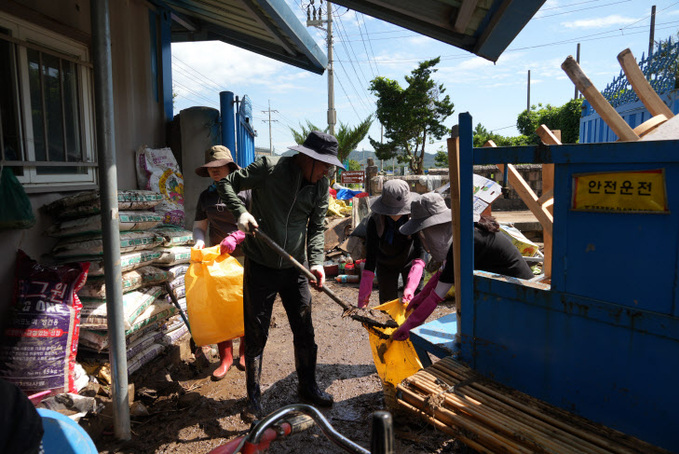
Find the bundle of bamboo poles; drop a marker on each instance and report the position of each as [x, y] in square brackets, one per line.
[492, 418]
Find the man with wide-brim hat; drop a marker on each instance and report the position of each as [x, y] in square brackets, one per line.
[430, 218]
[390, 253]
[289, 204]
[214, 224]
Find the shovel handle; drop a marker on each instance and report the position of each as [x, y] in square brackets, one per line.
[348, 309]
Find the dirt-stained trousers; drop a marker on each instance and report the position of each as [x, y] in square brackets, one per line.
[261, 284]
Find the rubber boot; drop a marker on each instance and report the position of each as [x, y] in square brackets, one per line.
[226, 355]
[253, 373]
[241, 354]
[305, 363]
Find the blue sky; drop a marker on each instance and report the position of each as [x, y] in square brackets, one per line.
[494, 94]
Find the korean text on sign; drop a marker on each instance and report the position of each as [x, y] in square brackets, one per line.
[640, 191]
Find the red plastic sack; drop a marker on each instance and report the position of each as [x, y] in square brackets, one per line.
[41, 340]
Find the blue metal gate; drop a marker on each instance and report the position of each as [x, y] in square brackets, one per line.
[661, 72]
[245, 133]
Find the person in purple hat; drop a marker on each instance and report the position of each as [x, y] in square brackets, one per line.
[389, 253]
[494, 252]
[289, 204]
[215, 224]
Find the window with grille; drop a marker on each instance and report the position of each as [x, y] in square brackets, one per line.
[46, 108]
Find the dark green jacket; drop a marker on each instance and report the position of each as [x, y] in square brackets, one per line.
[287, 210]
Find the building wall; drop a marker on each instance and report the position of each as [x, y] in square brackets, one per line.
[139, 118]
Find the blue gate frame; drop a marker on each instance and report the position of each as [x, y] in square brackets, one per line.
[603, 340]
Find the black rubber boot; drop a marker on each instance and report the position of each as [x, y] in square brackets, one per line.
[309, 392]
[253, 373]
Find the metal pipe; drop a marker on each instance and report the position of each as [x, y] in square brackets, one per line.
[228, 122]
[108, 178]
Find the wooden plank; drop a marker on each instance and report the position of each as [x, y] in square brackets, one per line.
[597, 100]
[543, 215]
[464, 15]
[641, 87]
[650, 125]
[546, 201]
[454, 175]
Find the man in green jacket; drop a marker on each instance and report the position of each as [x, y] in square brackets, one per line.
[289, 204]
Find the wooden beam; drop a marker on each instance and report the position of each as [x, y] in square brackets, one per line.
[641, 87]
[464, 15]
[526, 193]
[454, 175]
[546, 200]
[650, 125]
[597, 100]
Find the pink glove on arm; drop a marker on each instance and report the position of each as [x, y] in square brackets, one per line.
[365, 288]
[228, 244]
[414, 276]
[429, 288]
[418, 316]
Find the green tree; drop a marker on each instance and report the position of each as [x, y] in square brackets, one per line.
[482, 135]
[441, 158]
[354, 165]
[565, 118]
[412, 116]
[347, 137]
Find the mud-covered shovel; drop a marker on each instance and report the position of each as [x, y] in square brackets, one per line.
[349, 310]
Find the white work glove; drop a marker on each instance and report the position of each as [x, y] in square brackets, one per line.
[247, 223]
[319, 272]
[200, 244]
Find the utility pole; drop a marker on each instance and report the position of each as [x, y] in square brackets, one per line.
[528, 93]
[314, 19]
[577, 59]
[270, 121]
[651, 37]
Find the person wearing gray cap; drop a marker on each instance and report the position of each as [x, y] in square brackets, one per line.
[290, 197]
[493, 252]
[389, 253]
[212, 217]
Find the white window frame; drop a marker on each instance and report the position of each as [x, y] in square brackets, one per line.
[62, 47]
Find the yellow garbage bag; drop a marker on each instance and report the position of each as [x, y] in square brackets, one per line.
[214, 296]
[394, 360]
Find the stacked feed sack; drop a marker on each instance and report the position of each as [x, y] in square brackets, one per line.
[145, 309]
[175, 256]
[158, 171]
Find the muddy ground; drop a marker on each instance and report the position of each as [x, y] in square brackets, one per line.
[190, 413]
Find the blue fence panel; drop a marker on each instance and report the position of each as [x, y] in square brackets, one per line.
[245, 133]
[660, 70]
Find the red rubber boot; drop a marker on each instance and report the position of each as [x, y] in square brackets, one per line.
[241, 354]
[226, 355]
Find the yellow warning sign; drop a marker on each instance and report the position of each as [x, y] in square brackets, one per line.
[641, 191]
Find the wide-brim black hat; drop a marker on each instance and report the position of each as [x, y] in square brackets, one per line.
[321, 147]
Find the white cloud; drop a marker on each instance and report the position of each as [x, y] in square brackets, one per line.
[600, 22]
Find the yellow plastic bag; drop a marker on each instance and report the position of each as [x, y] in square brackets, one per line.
[394, 360]
[214, 296]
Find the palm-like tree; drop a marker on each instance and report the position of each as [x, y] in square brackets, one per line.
[348, 138]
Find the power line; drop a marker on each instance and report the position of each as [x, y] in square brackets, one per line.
[269, 111]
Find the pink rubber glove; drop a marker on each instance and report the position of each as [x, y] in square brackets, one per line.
[365, 288]
[228, 244]
[319, 272]
[414, 276]
[418, 316]
[429, 288]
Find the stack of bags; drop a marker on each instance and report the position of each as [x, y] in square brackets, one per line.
[153, 257]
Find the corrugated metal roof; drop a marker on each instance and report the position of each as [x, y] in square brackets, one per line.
[267, 27]
[482, 27]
